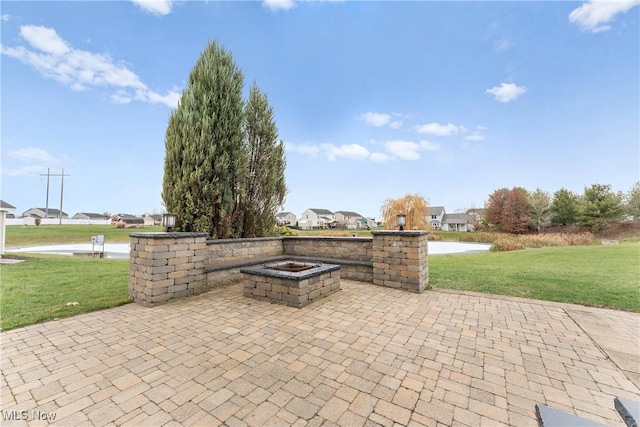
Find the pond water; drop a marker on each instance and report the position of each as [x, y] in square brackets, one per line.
[121, 250]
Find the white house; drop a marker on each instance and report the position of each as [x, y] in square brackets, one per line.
[4, 208]
[348, 219]
[43, 213]
[435, 215]
[88, 215]
[286, 218]
[319, 217]
[457, 222]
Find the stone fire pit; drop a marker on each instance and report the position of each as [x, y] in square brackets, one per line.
[290, 282]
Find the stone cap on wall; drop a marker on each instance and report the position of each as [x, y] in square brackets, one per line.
[243, 239]
[162, 235]
[399, 233]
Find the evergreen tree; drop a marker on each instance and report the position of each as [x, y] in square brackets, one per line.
[632, 201]
[600, 206]
[564, 208]
[264, 184]
[205, 157]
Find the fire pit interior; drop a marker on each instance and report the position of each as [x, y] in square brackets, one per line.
[295, 283]
[292, 267]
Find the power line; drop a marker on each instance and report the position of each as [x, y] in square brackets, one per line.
[49, 175]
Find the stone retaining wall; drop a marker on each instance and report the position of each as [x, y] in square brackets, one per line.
[229, 250]
[165, 266]
[347, 248]
[400, 260]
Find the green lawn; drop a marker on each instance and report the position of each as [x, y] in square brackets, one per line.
[603, 276]
[39, 289]
[62, 234]
[600, 276]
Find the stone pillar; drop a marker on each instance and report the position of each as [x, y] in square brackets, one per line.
[400, 260]
[165, 266]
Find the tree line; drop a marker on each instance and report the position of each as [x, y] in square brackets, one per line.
[224, 165]
[517, 211]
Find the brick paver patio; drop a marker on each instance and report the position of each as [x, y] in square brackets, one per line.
[364, 356]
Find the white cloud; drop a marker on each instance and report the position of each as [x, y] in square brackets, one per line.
[506, 92]
[406, 150]
[348, 151]
[594, 15]
[44, 39]
[438, 129]
[155, 7]
[4, 17]
[33, 155]
[395, 125]
[380, 157]
[375, 119]
[429, 146]
[308, 149]
[275, 5]
[56, 59]
[475, 136]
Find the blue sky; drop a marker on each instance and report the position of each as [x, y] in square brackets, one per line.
[374, 100]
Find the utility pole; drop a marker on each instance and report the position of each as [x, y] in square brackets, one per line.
[61, 193]
[49, 175]
[46, 209]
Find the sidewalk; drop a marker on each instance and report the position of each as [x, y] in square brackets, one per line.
[364, 356]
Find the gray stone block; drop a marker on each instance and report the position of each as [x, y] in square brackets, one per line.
[549, 417]
[629, 410]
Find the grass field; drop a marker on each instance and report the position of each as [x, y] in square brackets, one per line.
[599, 276]
[62, 234]
[39, 288]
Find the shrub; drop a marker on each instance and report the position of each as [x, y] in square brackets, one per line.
[507, 244]
[284, 231]
[38, 221]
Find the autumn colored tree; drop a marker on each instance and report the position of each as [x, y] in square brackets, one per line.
[495, 206]
[515, 212]
[414, 206]
[540, 205]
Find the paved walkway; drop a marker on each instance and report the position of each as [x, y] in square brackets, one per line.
[364, 356]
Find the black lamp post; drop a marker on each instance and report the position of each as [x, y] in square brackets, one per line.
[168, 221]
[401, 220]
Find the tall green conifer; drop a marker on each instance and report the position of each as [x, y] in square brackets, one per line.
[264, 185]
[205, 158]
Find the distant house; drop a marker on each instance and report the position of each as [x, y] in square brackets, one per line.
[320, 218]
[435, 215]
[348, 219]
[152, 219]
[286, 218]
[370, 222]
[4, 208]
[477, 215]
[43, 213]
[128, 221]
[457, 222]
[88, 215]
